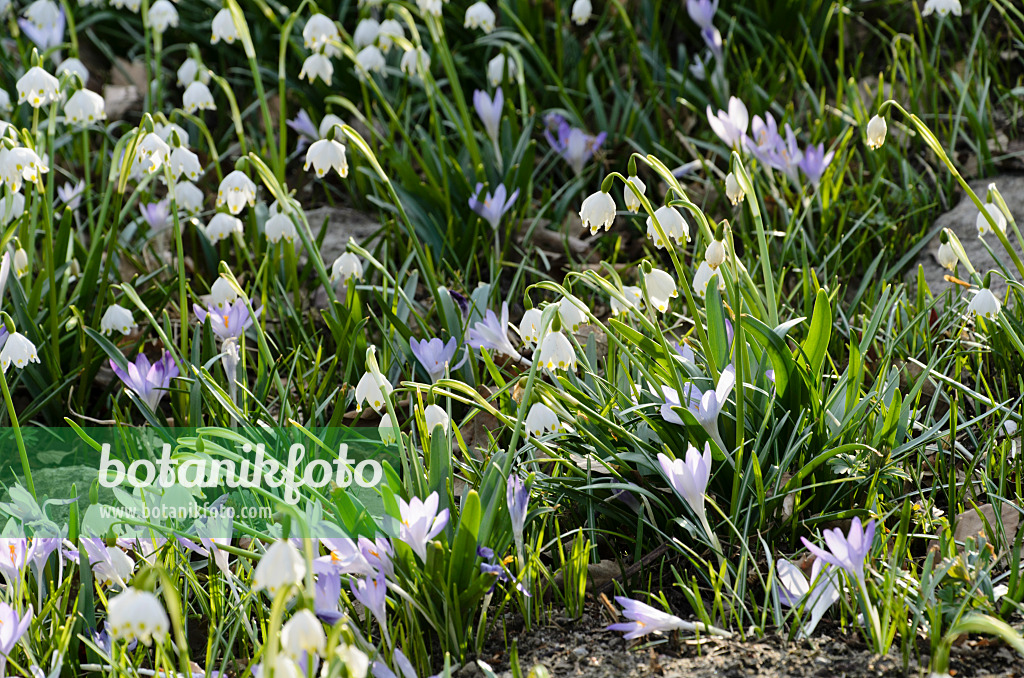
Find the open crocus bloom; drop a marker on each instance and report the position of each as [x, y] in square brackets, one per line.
[817, 596]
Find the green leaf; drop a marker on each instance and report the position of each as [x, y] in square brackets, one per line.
[815, 346]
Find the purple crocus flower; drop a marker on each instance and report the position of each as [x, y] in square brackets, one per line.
[12, 628]
[378, 553]
[731, 125]
[71, 194]
[572, 143]
[157, 213]
[372, 593]
[41, 549]
[846, 552]
[13, 558]
[713, 39]
[421, 522]
[518, 499]
[345, 558]
[230, 324]
[492, 333]
[644, 619]
[793, 590]
[489, 111]
[303, 125]
[689, 478]
[815, 161]
[787, 156]
[493, 207]
[48, 36]
[765, 139]
[149, 381]
[326, 596]
[702, 11]
[434, 354]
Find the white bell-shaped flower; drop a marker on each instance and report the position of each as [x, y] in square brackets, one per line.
[191, 70]
[496, 70]
[37, 88]
[222, 294]
[74, 69]
[5, 105]
[733, 190]
[11, 208]
[557, 352]
[598, 210]
[715, 254]
[388, 32]
[189, 197]
[630, 198]
[223, 28]
[582, 11]
[672, 223]
[436, 416]
[315, 66]
[197, 97]
[947, 257]
[571, 315]
[168, 132]
[346, 266]
[152, 152]
[703, 276]
[117, 318]
[18, 165]
[325, 155]
[20, 262]
[943, 7]
[303, 634]
[370, 60]
[83, 107]
[130, 5]
[984, 303]
[429, 7]
[876, 132]
[18, 349]
[660, 288]
[319, 32]
[162, 15]
[541, 419]
[221, 226]
[280, 227]
[634, 299]
[365, 33]
[42, 13]
[235, 191]
[984, 227]
[415, 61]
[369, 392]
[530, 330]
[329, 122]
[480, 15]
[137, 615]
[280, 567]
[184, 162]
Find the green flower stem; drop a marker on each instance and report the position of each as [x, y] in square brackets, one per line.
[26, 468]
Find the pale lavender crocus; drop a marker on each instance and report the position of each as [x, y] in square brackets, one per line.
[303, 126]
[345, 557]
[787, 156]
[689, 478]
[491, 333]
[326, 596]
[705, 405]
[490, 111]
[71, 194]
[12, 628]
[149, 381]
[574, 145]
[434, 354]
[846, 552]
[764, 140]
[817, 596]
[493, 206]
[372, 593]
[421, 522]
[644, 619]
[378, 553]
[731, 125]
[229, 324]
[702, 11]
[13, 558]
[157, 213]
[517, 497]
[815, 161]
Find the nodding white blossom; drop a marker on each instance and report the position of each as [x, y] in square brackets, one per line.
[18, 165]
[83, 107]
[369, 392]
[197, 97]
[571, 315]
[943, 7]
[436, 416]
[5, 103]
[319, 32]
[370, 60]
[182, 161]
[556, 352]
[42, 13]
[188, 197]
[388, 32]
[303, 635]
[11, 208]
[496, 70]
[703, 276]
[671, 222]
[365, 33]
[733, 190]
[660, 288]
[117, 318]
[634, 299]
[152, 152]
[715, 254]
[137, 615]
[73, 67]
[169, 131]
[37, 88]
[530, 330]
[162, 15]
[582, 11]
[415, 61]
[480, 15]
[235, 191]
[20, 262]
[325, 155]
[315, 66]
[221, 226]
[18, 349]
[429, 7]
[984, 228]
[542, 419]
[632, 201]
[346, 266]
[329, 122]
[947, 257]
[192, 70]
[223, 28]
[280, 567]
[222, 294]
[984, 303]
[130, 5]
[598, 210]
[876, 132]
[280, 227]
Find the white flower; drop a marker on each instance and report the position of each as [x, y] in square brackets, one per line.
[436, 416]
[222, 294]
[73, 67]
[541, 419]
[943, 7]
[876, 132]
[370, 60]
[317, 66]
[162, 15]
[223, 28]
[42, 13]
[496, 70]
[319, 32]
[387, 33]
[947, 257]
[480, 15]
[368, 391]
[634, 298]
[190, 71]
[429, 7]
[731, 125]
[188, 197]
[733, 190]
[16, 204]
[355, 660]
[715, 253]
[633, 202]
[984, 228]
[131, 5]
[20, 164]
[84, 107]
[671, 222]
[282, 566]
[346, 266]
[280, 227]
[137, 615]
[365, 33]
[198, 97]
[184, 161]
[303, 634]
[388, 430]
[5, 104]
[117, 318]
[556, 352]
[598, 210]
[582, 10]
[152, 152]
[703, 276]
[325, 155]
[18, 350]
[329, 122]
[20, 262]
[221, 226]
[236, 190]
[37, 88]
[415, 61]
[168, 131]
[571, 315]
[660, 288]
[530, 330]
[984, 304]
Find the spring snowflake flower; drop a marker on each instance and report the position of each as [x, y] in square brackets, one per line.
[630, 198]
[18, 349]
[282, 566]
[223, 28]
[168, 131]
[117, 318]
[660, 288]
[329, 122]
[18, 165]
[5, 106]
[325, 155]
[480, 15]
[188, 197]
[130, 5]
[345, 267]
[149, 381]
[152, 152]
[222, 294]
[703, 276]
[985, 304]
[530, 330]
[162, 15]
[73, 68]
[943, 7]
[429, 7]
[876, 132]
[417, 61]
[367, 390]
[571, 315]
[730, 126]
[12, 208]
[634, 299]
[280, 227]
[420, 522]
[198, 97]
[319, 32]
[947, 257]
[315, 66]
[846, 551]
[37, 88]
[493, 207]
[542, 419]
[389, 31]
[598, 210]
[582, 11]
[84, 107]
[370, 60]
[490, 111]
[714, 255]
[20, 262]
[496, 70]
[672, 223]
[436, 416]
[733, 190]
[365, 33]
[557, 352]
[303, 635]
[182, 161]
[235, 191]
[984, 227]
[42, 13]
[221, 226]
[137, 615]
[192, 70]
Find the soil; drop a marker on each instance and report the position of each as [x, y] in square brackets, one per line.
[583, 648]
